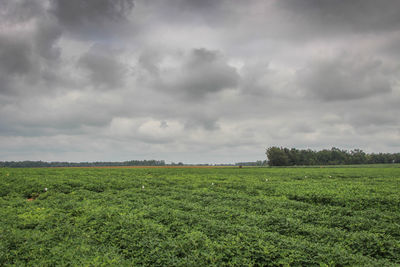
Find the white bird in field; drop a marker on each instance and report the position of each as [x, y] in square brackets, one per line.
[142, 186]
[45, 189]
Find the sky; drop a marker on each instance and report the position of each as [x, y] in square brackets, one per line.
[196, 81]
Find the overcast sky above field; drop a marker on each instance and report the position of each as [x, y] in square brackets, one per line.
[197, 81]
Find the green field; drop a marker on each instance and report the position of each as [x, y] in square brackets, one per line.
[200, 217]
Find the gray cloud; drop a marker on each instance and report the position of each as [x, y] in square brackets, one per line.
[343, 16]
[28, 56]
[207, 72]
[17, 11]
[196, 81]
[15, 55]
[105, 71]
[203, 72]
[203, 120]
[256, 79]
[91, 18]
[344, 78]
[150, 60]
[193, 12]
[48, 32]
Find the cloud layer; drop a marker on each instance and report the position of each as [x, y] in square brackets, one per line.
[196, 81]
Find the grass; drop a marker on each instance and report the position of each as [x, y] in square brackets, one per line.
[340, 216]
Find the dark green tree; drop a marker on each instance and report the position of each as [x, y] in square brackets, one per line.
[277, 157]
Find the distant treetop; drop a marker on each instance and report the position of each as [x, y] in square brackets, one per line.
[282, 156]
[26, 164]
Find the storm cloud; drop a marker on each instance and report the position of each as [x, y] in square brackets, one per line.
[196, 81]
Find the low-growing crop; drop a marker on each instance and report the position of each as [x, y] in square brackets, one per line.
[200, 217]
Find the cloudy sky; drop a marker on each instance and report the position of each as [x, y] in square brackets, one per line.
[197, 81]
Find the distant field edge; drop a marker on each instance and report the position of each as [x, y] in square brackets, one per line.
[378, 165]
[141, 167]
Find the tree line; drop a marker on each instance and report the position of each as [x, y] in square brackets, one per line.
[282, 156]
[252, 163]
[34, 164]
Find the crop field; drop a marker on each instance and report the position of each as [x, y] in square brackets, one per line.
[341, 216]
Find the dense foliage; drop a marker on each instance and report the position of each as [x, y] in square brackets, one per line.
[282, 156]
[35, 164]
[200, 216]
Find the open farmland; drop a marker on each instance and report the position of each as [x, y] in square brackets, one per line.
[198, 217]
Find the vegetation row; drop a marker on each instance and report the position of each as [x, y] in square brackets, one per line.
[200, 217]
[282, 156]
